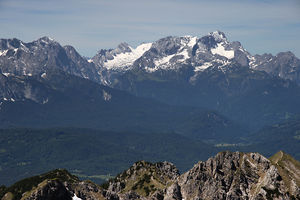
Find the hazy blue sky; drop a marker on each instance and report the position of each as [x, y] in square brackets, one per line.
[89, 25]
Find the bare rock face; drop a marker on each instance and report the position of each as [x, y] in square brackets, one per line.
[173, 192]
[228, 175]
[49, 189]
[233, 176]
[87, 190]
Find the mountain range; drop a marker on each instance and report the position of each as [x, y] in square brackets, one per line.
[208, 72]
[207, 91]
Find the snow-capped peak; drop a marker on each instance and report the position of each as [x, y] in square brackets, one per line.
[46, 40]
[124, 60]
[222, 45]
[182, 55]
[219, 36]
[190, 41]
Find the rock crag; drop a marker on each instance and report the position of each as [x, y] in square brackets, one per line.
[228, 176]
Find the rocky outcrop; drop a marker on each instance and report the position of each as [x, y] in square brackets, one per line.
[233, 176]
[143, 179]
[49, 189]
[57, 184]
[228, 176]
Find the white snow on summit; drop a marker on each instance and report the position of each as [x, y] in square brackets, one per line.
[191, 41]
[125, 60]
[218, 36]
[187, 43]
[220, 50]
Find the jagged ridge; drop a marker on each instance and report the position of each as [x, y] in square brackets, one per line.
[228, 175]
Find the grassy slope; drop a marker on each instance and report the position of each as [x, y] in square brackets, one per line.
[288, 167]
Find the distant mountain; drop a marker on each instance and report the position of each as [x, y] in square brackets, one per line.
[251, 97]
[285, 136]
[37, 57]
[188, 52]
[225, 176]
[208, 72]
[284, 65]
[166, 54]
[62, 100]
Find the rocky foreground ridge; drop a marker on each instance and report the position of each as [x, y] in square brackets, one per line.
[228, 175]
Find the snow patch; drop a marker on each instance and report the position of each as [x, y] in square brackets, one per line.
[3, 52]
[106, 96]
[163, 60]
[125, 60]
[192, 42]
[220, 50]
[202, 67]
[166, 60]
[76, 198]
[6, 74]
[24, 47]
[185, 55]
[151, 70]
[252, 62]
[45, 101]
[11, 99]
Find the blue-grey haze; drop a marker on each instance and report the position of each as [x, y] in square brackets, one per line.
[89, 25]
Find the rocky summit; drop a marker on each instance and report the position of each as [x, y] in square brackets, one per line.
[228, 175]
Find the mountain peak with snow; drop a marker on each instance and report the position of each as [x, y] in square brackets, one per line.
[123, 48]
[121, 58]
[169, 53]
[219, 36]
[46, 40]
